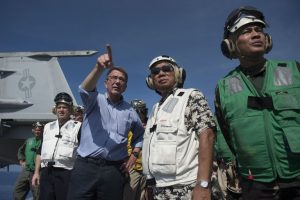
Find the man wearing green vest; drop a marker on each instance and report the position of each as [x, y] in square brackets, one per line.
[26, 157]
[258, 109]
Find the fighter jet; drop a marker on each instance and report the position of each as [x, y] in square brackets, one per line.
[28, 83]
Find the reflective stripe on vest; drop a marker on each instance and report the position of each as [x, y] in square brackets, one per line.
[265, 134]
[282, 77]
[235, 84]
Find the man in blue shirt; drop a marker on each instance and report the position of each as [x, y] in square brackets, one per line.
[102, 164]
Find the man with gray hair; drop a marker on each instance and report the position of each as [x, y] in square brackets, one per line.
[102, 162]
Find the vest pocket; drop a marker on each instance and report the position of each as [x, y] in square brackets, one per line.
[288, 111]
[66, 151]
[291, 129]
[164, 161]
[285, 102]
[67, 139]
[250, 144]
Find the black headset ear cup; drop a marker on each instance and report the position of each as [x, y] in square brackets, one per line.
[228, 48]
[269, 43]
[149, 82]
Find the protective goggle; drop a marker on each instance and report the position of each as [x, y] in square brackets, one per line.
[242, 16]
[243, 11]
[243, 20]
[63, 98]
[139, 106]
[79, 108]
[37, 124]
[165, 68]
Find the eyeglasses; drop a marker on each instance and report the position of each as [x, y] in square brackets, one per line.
[165, 68]
[115, 78]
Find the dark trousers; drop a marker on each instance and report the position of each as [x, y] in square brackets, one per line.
[96, 179]
[276, 190]
[54, 183]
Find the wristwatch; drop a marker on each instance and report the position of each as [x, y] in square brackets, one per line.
[202, 183]
[135, 154]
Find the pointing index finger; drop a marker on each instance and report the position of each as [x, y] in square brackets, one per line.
[109, 52]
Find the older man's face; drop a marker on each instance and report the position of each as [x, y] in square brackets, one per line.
[163, 76]
[116, 83]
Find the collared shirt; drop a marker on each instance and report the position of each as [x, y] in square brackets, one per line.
[106, 126]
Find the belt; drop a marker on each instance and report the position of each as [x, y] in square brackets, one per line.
[51, 168]
[101, 161]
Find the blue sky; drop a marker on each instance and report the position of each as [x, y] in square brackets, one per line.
[190, 31]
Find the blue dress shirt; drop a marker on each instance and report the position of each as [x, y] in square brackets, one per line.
[106, 125]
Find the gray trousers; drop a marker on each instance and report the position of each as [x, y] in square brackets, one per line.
[23, 186]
